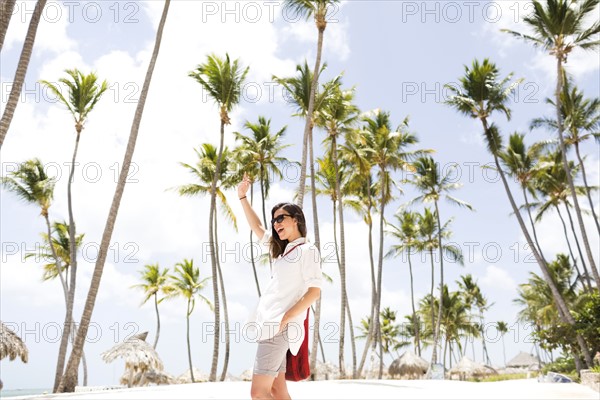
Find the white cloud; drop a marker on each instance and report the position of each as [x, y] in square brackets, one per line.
[498, 278]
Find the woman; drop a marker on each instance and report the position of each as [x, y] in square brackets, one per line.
[295, 284]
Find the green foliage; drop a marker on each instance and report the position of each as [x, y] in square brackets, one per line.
[498, 378]
[562, 365]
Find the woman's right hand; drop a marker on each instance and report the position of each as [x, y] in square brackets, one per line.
[244, 186]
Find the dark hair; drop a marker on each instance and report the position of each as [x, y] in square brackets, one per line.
[277, 245]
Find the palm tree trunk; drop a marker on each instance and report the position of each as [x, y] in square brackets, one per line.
[15, 91]
[587, 187]
[379, 275]
[563, 309]
[225, 312]
[587, 274]
[503, 350]
[187, 336]
[436, 336]
[6, 11]
[486, 355]
[252, 247]
[69, 381]
[414, 321]
[73, 255]
[563, 147]
[432, 288]
[537, 242]
[213, 257]
[373, 291]
[263, 195]
[317, 311]
[303, 163]
[580, 277]
[157, 321]
[309, 115]
[341, 363]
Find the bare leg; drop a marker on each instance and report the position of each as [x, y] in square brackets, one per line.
[261, 387]
[279, 389]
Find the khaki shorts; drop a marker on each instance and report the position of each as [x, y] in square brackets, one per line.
[271, 355]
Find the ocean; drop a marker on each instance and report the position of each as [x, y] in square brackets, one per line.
[22, 392]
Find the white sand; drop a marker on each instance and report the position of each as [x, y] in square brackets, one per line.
[355, 389]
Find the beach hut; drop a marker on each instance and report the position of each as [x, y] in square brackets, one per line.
[199, 376]
[524, 361]
[148, 377]
[469, 368]
[408, 364]
[11, 346]
[139, 356]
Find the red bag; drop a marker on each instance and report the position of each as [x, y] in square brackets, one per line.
[298, 366]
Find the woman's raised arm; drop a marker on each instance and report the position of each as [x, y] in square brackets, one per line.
[251, 216]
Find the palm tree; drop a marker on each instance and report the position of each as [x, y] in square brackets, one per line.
[155, 281]
[204, 171]
[581, 119]
[337, 117]
[259, 152]
[388, 153]
[429, 180]
[61, 245]
[69, 380]
[187, 284]
[551, 182]
[521, 163]
[83, 94]
[407, 232]
[222, 79]
[317, 9]
[6, 12]
[21, 72]
[30, 183]
[479, 95]
[300, 89]
[559, 28]
[502, 328]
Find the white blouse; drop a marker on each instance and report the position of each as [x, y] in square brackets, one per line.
[292, 275]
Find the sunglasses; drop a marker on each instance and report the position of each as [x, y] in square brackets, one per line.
[279, 219]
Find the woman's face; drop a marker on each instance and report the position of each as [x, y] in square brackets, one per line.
[285, 225]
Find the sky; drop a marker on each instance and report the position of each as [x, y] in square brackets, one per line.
[398, 55]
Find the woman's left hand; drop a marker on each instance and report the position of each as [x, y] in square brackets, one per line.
[284, 322]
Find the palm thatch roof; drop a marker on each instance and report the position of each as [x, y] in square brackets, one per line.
[324, 371]
[139, 356]
[148, 377]
[524, 360]
[199, 376]
[11, 345]
[408, 364]
[466, 366]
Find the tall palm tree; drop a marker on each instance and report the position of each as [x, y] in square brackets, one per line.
[61, 245]
[433, 184]
[155, 281]
[551, 182]
[559, 28]
[21, 72]
[187, 284]
[318, 9]
[388, 152]
[6, 12]
[521, 162]
[502, 328]
[407, 233]
[581, 119]
[222, 79]
[260, 158]
[479, 95]
[204, 171]
[337, 117]
[69, 380]
[83, 94]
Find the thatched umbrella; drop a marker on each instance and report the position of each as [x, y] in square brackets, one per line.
[468, 367]
[148, 377]
[408, 364]
[199, 376]
[139, 356]
[11, 345]
[524, 360]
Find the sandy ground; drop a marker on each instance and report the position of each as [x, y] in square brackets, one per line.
[354, 389]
